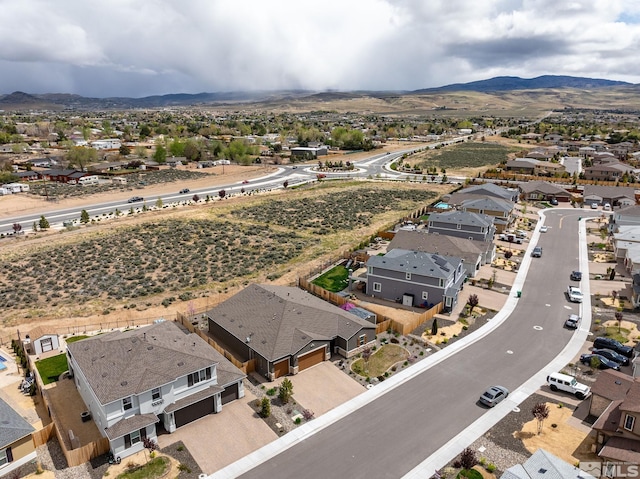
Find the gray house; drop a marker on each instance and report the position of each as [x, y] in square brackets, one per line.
[415, 278]
[628, 216]
[474, 253]
[617, 196]
[462, 224]
[491, 189]
[286, 329]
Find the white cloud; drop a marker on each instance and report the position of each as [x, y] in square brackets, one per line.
[141, 47]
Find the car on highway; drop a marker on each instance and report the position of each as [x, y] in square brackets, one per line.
[544, 229]
[245, 182]
[566, 383]
[572, 322]
[610, 343]
[135, 199]
[574, 294]
[576, 276]
[604, 362]
[537, 252]
[611, 354]
[494, 395]
[184, 190]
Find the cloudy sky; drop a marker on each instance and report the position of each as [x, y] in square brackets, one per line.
[147, 47]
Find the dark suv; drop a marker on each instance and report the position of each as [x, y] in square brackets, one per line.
[608, 343]
[576, 276]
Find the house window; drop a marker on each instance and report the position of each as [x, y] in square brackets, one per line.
[5, 456]
[629, 421]
[198, 376]
[156, 394]
[370, 270]
[134, 438]
[425, 295]
[362, 340]
[407, 276]
[377, 287]
[441, 283]
[127, 403]
[448, 301]
[459, 226]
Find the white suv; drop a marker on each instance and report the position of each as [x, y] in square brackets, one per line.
[563, 382]
[575, 295]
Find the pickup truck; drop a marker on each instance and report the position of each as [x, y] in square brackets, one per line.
[510, 237]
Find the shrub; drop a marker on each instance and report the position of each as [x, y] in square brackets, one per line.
[491, 467]
[298, 420]
[265, 407]
[271, 392]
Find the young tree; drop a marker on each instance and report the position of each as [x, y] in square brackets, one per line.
[285, 184]
[619, 318]
[150, 444]
[159, 203]
[366, 355]
[160, 154]
[35, 226]
[222, 194]
[84, 217]
[285, 391]
[265, 407]
[472, 302]
[541, 412]
[43, 223]
[434, 327]
[195, 198]
[467, 459]
[17, 228]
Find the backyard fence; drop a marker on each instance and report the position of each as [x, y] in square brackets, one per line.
[42, 436]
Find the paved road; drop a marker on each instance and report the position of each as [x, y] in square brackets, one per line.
[394, 433]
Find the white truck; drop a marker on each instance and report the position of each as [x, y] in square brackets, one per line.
[564, 382]
[510, 237]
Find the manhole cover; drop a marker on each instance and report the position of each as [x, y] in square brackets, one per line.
[538, 328]
[509, 351]
[516, 409]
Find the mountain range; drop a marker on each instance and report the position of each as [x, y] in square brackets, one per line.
[21, 101]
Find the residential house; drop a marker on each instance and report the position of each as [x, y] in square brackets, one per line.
[106, 144]
[40, 340]
[626, 237]
[543, 191]
[617, 196]
[614, 171]
[525, 166]
[490, 189]
[414, 278]
[135, 380]
[629, 215]
[27, 175]
[616, 403]
[549, 168]
[499, 209]
[285, 329]
[62, 176]
[586, 151]
[462, 224]
[16, 444]
[475, 254]
[544, 465]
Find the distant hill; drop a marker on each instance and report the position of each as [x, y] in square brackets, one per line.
[517, 83]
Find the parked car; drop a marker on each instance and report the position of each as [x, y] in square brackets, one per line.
[594, 206]
[135, 199]
[575, 295]
[494, 395]
[521, 234]
[544, 229]
[613, 355]
[607, 207]
[554, 201]
[573, 321]
[564, 382]
[604, 362]
[184, 190]
[537, 252]
[576, 276]
[610, 343]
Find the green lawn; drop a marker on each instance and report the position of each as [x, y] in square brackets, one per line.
[51, 368]
[73, 339]
[381, 360]
[334, 280]
[154, 468]
[622, 336]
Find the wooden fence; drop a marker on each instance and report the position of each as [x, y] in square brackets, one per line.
[42, 436]
[246, 367]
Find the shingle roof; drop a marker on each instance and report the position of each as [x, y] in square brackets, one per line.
[133, 423]
[488, 204]
[281, 320]
[610, 191]
[631, 401]
[416, 262]
[462, 218]
[420, 240]
[543, 187]
[122, 364]
[12, 425]
[40, 331]
[490, 189]
[621, 449]
[633, 210]
[609, 420]
[544, 465]
[612, 385]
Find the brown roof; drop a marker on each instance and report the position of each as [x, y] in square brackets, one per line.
[612, 385]
[122, 364]
[621, 449]
[281, 320]
[133, 423]
[631, 402]
[38, 332]
[609, 420]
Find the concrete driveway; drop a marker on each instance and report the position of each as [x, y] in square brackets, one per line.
[217, 440]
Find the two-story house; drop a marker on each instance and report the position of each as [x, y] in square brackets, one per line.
[132, 381]
[498, 208]
[627, 216]
[462, 224]
[613, 171]
[615, 401]
[414, 278]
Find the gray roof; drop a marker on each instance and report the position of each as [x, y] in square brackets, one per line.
[420, 240]
[462, 218]
[121, 364]
[488, 204]
[12, 426]
[544, 465]
[633, 210]
[425, 264]
[523, 163]
[281, 320]
[543, 187]
[613, 192]
[490, 189]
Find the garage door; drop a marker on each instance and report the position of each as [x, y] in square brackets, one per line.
[195, 411]
[281, 368]
[311, 359]
[230, 393]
